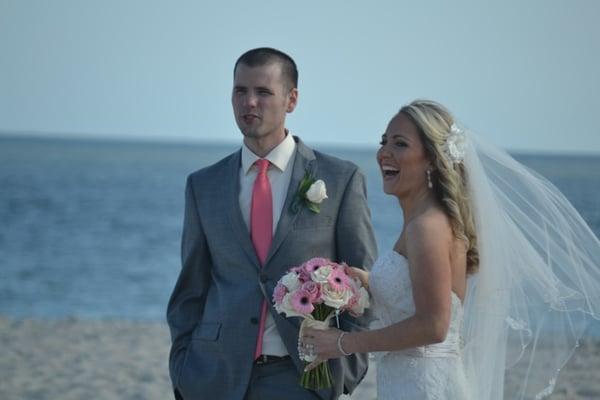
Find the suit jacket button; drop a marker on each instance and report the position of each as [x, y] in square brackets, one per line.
[254, 320]
[264, 278]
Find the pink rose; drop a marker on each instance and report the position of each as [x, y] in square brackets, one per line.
[303, 274]
[359, 302]
[279, 292]
[352, 302]
[314, 291]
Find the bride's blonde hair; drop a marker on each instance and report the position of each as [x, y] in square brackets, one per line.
[434, 122]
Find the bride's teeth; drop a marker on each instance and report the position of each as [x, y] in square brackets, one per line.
[389, 171]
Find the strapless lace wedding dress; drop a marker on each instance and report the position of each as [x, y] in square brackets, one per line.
[432, 372]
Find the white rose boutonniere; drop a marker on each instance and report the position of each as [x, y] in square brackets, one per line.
[311, 192]
[317, 192]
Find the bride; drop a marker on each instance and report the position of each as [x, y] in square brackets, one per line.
[493, 271]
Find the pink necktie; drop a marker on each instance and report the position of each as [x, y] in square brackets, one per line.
[261, 231]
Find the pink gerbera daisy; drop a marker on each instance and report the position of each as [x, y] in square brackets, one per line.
[315, 263]
[338, 280]
[301, 302]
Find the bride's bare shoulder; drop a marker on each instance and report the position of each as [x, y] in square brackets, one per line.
[431, 227]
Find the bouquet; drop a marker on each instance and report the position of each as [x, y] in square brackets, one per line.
[318, 291]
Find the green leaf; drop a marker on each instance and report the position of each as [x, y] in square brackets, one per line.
[313, 207]
[305, 185]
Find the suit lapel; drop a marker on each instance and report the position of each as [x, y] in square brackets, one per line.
[231, 201]
[304, 161]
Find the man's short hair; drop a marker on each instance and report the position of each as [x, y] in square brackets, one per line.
[266, 55]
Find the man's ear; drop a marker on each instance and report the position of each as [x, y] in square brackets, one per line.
[292, 100]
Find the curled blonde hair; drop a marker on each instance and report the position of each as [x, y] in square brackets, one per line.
[433, 122]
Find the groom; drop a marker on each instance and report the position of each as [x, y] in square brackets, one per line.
[240, 235]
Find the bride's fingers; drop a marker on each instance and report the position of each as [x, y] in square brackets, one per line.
[313, 365]
[308, 336]
[356, 273]
[308, 332]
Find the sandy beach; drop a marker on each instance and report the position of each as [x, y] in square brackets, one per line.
[74, 359]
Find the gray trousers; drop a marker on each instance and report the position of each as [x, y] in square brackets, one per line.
[275, 381]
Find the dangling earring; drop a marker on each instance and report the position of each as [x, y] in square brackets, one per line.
[429, 184]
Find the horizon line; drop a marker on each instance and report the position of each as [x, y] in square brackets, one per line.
[183, 140]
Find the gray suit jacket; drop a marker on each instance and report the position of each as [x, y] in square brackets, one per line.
[215, 305]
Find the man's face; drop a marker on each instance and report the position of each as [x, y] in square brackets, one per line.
[261, 100]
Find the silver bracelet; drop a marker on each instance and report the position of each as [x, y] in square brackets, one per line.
[339, 344]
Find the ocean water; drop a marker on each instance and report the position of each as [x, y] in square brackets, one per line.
[91, 229]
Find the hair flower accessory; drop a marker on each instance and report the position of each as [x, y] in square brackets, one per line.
[456, 145]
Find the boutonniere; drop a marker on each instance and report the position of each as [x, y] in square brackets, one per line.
[311, 192]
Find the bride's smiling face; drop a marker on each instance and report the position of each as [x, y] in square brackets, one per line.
[402, 158]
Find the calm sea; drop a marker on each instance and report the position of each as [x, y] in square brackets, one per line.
[91, 228]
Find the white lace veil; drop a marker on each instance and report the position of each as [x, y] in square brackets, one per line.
[538, 281]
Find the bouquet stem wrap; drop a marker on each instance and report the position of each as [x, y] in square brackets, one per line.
[320, 377]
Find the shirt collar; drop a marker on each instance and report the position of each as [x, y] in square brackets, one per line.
[280, 156]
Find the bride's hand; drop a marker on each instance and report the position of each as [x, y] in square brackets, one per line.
[323, 343]
[361, 274]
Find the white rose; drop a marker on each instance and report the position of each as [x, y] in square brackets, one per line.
[334, 298]
[317, 192]
[362, 303]
[321, 274]
[291, 281]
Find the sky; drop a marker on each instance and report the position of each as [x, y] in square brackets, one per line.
[524, 74]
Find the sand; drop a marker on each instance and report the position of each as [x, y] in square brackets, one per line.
[72, 359]
[79, 359]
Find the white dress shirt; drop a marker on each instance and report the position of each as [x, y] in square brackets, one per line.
[279, 173]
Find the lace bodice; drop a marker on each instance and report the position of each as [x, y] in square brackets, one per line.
[391, 290]
[427, 372]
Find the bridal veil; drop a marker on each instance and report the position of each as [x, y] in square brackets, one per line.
[538, 282]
